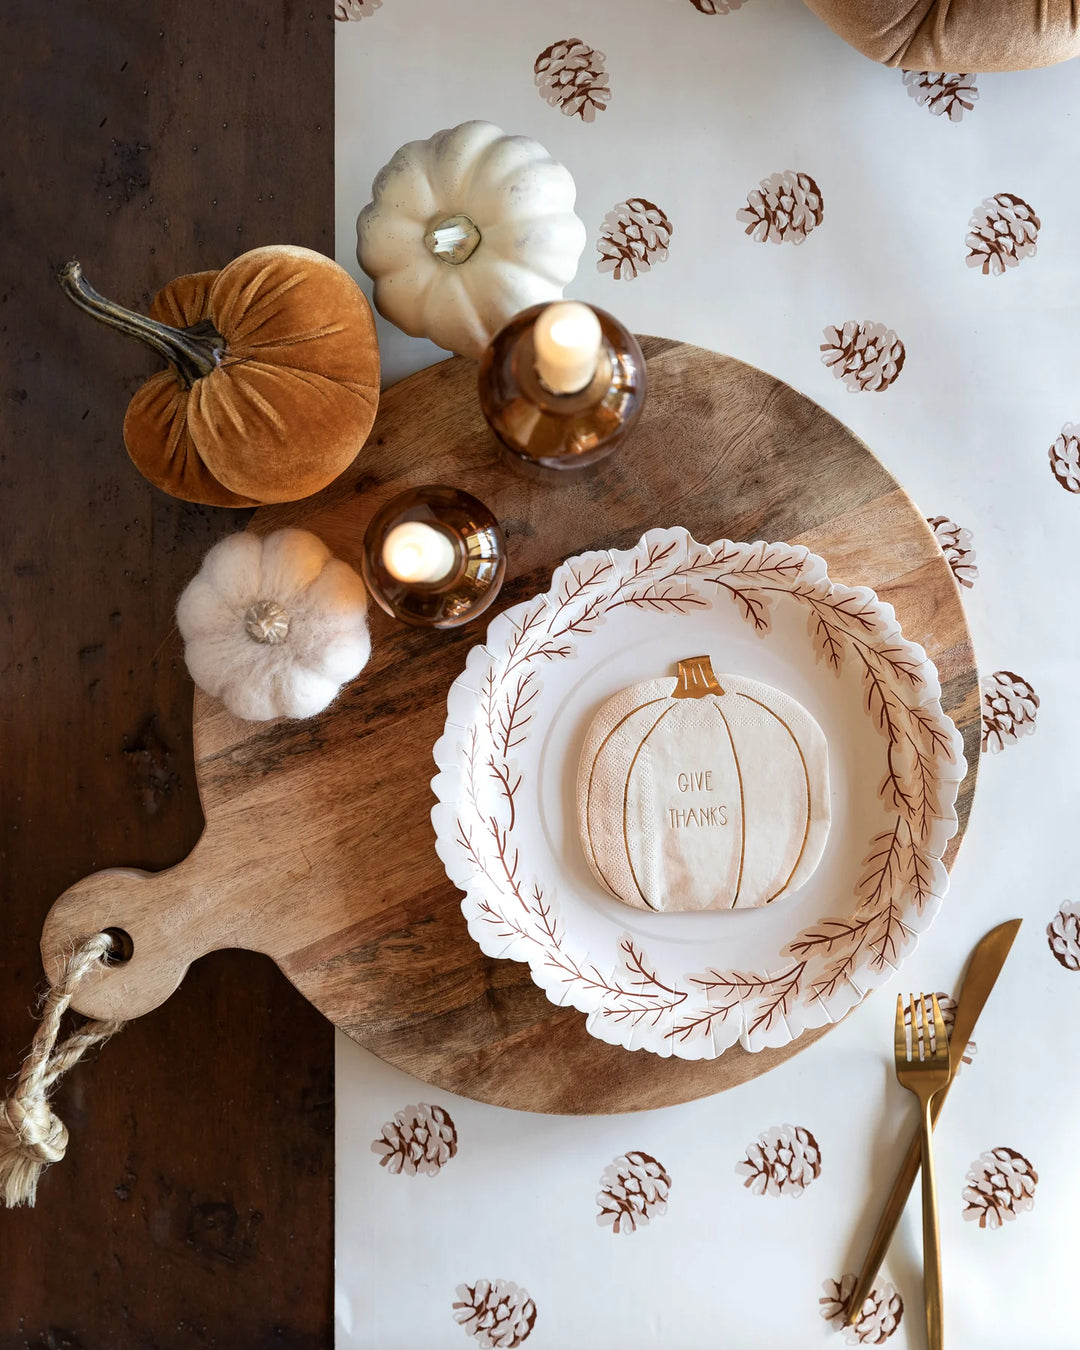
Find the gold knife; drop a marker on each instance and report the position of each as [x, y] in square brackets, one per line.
[979, 979]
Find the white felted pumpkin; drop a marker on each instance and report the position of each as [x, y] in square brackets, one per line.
[274, 627]
[465, 230]
[703, 792]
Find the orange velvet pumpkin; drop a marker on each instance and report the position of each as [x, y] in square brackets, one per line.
[274, 378]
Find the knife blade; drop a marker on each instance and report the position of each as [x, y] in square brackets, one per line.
[983, 968]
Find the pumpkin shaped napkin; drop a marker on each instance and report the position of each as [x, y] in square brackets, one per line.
[273, 382]
[703, 792]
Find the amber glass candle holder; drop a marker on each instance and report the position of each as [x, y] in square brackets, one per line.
[443, 573]
[547, 434]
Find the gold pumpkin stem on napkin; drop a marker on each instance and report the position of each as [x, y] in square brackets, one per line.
[696, 678]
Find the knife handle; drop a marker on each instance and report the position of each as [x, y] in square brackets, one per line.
[890, 1217]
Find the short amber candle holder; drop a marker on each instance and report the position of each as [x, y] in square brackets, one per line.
[476, 575]
[546, 434]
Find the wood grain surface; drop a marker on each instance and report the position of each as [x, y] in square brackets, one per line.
[195, 1206]
[319, 849]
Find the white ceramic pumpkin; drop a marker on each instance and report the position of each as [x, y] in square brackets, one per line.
[703, 792]
[274, 627]
[465, 230]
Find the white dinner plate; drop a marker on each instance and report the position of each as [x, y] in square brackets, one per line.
[692, 984]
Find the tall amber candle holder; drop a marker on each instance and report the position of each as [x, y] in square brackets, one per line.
[434, 557]
[560, 402]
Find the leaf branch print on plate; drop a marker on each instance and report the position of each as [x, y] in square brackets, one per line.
[956, 543]
[1063, 936]
[495, 1313]
[1002, 231]
[881, 1314]
[633, 1190]
[1009, 709]
[783, 208]
[635, 234]
[523, 899]
[1000, 1186]
[1065, 458]
[571, 77]
[941, 94]
[783, 1160]
[866, 356]
[717, 6]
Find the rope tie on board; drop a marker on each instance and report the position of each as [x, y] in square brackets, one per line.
[31, 1135]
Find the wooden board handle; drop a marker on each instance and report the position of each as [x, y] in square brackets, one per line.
[169, 917]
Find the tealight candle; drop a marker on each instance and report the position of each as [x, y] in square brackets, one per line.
[568, 339]
[561, 385]
[434, 557]
[419, 553]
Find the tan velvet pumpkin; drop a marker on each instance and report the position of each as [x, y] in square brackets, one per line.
[274, 378]
[957, 35]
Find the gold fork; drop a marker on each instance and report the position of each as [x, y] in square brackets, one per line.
[925, 1071]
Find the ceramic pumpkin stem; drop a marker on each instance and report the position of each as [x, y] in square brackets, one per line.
[192, 352]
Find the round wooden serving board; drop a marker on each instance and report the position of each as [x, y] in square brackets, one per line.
[318, 847]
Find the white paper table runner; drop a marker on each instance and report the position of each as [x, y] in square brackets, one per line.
[702, 110]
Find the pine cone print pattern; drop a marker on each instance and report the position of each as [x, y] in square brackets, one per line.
[1002, 231]
[948, 1016]
[1065, 458]
[634, 1190]
[783, 1160]
[956, 544]
[495, 1312]
[635, 234]
[717, 6]
[571, 77]
[882, 1312]
[346, 10]
[944, 95]
[1009, 709]
[866, 356]
[1063, 935]
[1000, 1186]
[420, 1139]
[783, 208]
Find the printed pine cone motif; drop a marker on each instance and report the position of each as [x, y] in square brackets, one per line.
[882, 1312]
[634, 235]
[1000, 1185]
[1063, 935]
[419, 1139]
[948, 1016]
[948, 95]
[783, 208]
[344, 10]
[572, 78]
[1009, 709]
[783, 1161]
[866, 356]
[717, 6]
[495, 1312]
[957, 546]
[1002, 231]
[1065, 458]
[634, 1190]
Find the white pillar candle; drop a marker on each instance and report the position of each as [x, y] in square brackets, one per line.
[567, 340]
[418, 552]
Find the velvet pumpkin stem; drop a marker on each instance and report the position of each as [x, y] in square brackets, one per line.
[192, 352]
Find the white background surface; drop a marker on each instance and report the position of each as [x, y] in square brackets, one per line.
[702, 109]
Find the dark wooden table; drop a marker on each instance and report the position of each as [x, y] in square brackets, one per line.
[146, 138]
